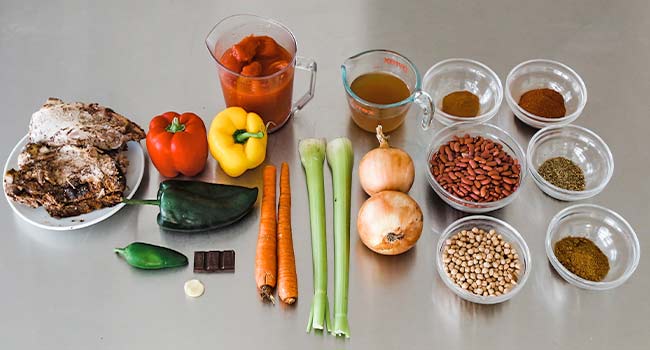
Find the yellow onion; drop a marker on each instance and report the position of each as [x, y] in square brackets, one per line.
[390, 222]
[385, 168]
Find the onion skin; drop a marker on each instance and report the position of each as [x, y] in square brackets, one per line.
[390, 222]
[384, 169]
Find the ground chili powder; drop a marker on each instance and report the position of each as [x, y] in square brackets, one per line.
[546, 103]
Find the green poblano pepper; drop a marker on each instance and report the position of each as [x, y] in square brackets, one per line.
[192, 206]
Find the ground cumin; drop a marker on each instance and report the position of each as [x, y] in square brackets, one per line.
[461, 104]
[582, 257]
[546, 103]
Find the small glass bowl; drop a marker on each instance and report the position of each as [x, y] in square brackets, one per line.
[539, 74]
[608, 230]
[487, 131]
[583, 147]
[458, 74]
[509, 233]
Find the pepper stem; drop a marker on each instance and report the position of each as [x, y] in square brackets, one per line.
[175, 126]
[242, 135]
[141, 201]
[119, 251]
[383, 139]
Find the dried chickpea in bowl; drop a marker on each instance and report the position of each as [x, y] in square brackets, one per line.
[482, 259]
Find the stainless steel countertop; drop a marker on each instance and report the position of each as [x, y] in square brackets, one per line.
[67, 290]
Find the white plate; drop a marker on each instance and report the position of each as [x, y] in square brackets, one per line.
[39, 217]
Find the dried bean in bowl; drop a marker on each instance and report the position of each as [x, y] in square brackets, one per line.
[481, 262]
[475, 169]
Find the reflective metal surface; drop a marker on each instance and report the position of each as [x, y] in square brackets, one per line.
[67, 290]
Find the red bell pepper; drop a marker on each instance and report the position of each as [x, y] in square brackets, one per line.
[177, 144]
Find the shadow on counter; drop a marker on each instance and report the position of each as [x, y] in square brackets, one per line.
[384, 269]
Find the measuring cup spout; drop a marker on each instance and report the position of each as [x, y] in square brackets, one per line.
[344, 73]
[346, 68]
[351, 67]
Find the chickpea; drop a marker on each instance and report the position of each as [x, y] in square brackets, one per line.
[481, 262]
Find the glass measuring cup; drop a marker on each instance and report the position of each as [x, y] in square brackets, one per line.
[367, 115]
[271, 95]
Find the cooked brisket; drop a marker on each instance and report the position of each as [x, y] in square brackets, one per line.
[58, 123]
[74, 162]
[67, 180]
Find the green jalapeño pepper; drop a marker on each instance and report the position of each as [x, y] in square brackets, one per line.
[191, 206]
[151, 257]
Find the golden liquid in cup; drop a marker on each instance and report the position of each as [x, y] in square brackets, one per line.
[379, 88]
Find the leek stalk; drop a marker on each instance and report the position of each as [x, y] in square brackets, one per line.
[340, 159]
[312, 157]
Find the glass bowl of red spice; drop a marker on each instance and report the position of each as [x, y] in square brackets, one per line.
[611, 234]
[554, 92]
[475, 168]
[586, 150]
[473, 87]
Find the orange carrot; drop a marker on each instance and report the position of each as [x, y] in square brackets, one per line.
[287, 279]
[266, 265]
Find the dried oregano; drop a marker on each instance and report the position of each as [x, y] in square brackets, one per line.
[563, 173]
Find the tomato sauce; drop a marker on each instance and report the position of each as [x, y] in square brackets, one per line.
[255, 88]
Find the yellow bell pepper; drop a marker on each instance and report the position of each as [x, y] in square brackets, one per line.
[237, 140]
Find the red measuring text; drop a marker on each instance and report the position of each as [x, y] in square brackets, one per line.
[394, 62]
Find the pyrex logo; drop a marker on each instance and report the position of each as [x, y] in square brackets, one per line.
[394, 62]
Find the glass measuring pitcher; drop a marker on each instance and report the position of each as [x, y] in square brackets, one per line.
[367, 115]
[268, 93]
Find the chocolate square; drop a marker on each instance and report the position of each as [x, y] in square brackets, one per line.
[212, 261]
[227, 262]
[199, 261]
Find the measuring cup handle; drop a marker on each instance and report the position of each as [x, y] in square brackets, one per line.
[425, 102]
[306, 64]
